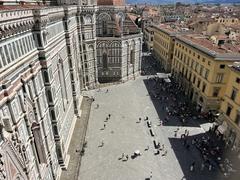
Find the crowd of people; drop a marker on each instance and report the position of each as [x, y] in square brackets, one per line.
[179, 110]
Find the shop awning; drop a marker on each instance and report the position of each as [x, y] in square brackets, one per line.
[222, 128]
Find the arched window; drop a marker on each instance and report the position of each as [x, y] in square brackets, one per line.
[38, 142]
[104, 27]
[132, 55]
[105, 61]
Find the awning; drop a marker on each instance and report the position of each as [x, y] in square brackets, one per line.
[162, 75]
[222, 128]
[137, 152]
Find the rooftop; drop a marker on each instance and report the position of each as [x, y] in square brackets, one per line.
[111, 2]
[171, 29]
[226, 51]
[19, 7]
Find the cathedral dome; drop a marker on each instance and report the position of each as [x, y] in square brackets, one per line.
[111, 2]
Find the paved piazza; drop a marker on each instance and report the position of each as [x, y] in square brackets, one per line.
[122, 134]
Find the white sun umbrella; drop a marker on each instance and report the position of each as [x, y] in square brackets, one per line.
[137, 152]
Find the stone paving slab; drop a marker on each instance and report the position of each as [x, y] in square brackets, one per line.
[126, 102]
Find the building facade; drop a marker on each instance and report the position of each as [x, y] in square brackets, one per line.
[148, 37]
[119, 43]
[163, 45]
[43, 55]
[201, 68]
[229, 119]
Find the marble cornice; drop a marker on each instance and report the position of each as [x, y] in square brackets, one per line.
[13, 22]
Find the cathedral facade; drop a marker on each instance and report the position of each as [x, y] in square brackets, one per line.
[49, 52]
[119, 43]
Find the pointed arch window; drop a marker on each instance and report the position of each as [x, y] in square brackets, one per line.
[105, 61]
[38, 142]
[132, 55]
[104, 27]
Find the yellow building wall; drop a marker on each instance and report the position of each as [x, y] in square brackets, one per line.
[188, 58]
[163, 48]
[227, 98]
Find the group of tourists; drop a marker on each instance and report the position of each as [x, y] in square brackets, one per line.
[178, 111]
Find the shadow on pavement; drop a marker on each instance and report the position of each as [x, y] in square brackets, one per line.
[203, 150]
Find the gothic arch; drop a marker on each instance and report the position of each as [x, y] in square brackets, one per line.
[104, 44]
[121, 14]
[133, 45]
[102, 23]
[104, 16]
[91, 51]
[90, 48]
[88, 19]
[105, 60]
[132, 52]
[115, 44]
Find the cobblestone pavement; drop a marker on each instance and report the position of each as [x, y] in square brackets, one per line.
[77, 142]
[122, 133]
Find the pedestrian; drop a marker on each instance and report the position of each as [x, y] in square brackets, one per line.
[123, 155]
[139, 119]
[210, 167]
[184, 142]
[104, 126]
[126, 157]
[192, 167]
[150, 174]
[146, 118]
[109, 115]
[160, 123]
[162, 146]
[202, 166]
[165, 153]
[182, 136]
[187, 133]
[106, 118]
[175, 134]
[107, 91]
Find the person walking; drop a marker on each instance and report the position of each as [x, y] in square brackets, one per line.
[175, 134]
[165, 153]
[102, 143]
[109, 115]
[192, 167]
[151, 175]
[104, 126]
[123, 155]
[210, 167]
[202, 166]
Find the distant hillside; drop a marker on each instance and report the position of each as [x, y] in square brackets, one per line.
[183, 1]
